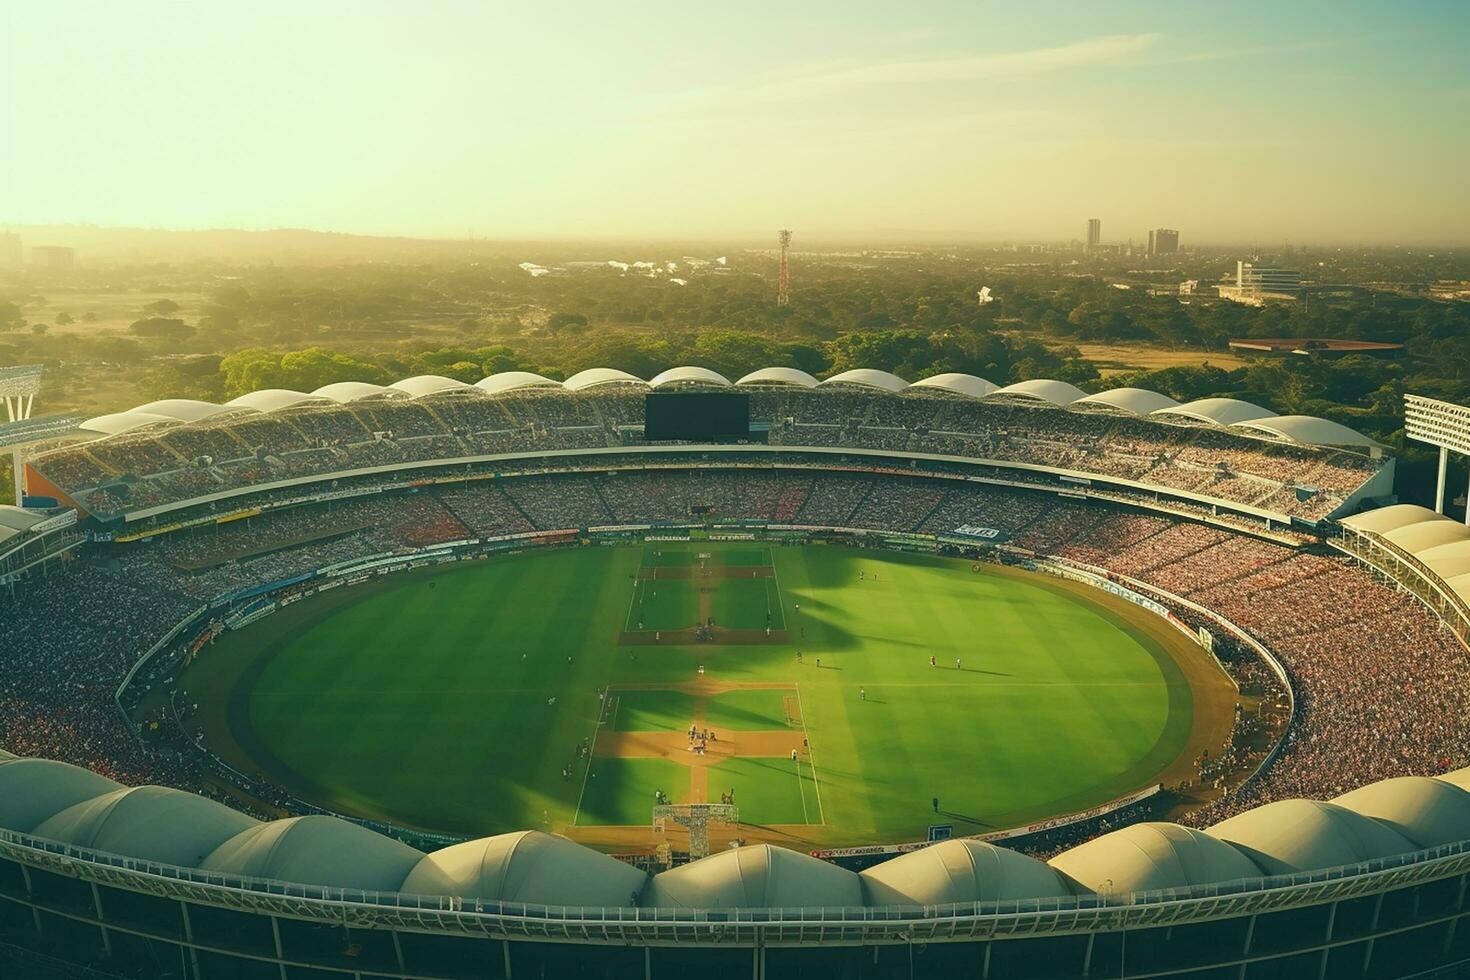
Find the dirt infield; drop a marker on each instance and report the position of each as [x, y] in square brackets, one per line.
[697, 753]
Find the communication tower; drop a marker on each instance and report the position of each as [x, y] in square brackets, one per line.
[783, 276]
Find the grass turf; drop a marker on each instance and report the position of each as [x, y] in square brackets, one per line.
[423, 698]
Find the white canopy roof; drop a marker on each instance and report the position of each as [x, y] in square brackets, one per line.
[351, 391]
[428, 384]
[1416, 538]
[1304, 835]
[1044, 389]
[1136, 401]
[273, 399]
[531, 867]
[1392, 518]
[779, 376]
[959, 384]
[690, 375]
[119, 422]
[1308, 430]
[868, 378]
[596, 377]
[1219, 411]
[513, 381]
[182, 409]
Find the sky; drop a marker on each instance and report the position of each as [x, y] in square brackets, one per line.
[1266, 123]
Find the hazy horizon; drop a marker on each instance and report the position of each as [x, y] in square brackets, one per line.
[945, 123]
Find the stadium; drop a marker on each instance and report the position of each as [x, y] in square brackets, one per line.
[634, 678]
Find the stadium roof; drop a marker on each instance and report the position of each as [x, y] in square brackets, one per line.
[60, 802]
[273, 399]
[182, 409]
[1220, 411]
[868, 378]
[1429, 812]
[689, 376]
[151, 823]
[316, 850]
[428, 384]
[18, 520]
[1308, 430]
[960, 871]
[1417, 538]
[778, 376]
[119, 422]
[959, 384]
[530, 867]
[514, 381]
[1152, 856]
[351, 391]
[761, 876]
[597, 377]
[31, 790]
[1226, 412]
[1392, 518]
[1041, 389]
[1137, 401]
[1305, 835]
[1447, 560]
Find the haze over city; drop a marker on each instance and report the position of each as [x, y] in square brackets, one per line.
[1257, 123]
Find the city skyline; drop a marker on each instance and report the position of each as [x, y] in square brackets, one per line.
[948, 122]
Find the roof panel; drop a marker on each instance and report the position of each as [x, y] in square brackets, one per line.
[1043, 389]
[351, 391]
[514, 381]
[1415, 538]
[1392, 518]
[428, 384]
[1429, 812]
[1309, 430]
[119, 422]
[868, 378]
[1304, 835]
[182, 409]
[759, 876]
[596, 377]
[1447, 560]
[689, 375]
[272, 399]
[1152, 856]
[1137, 401]
[316, 850]
[32, 790]
[957, 871]
[779, 377]
[1219, 411]
[529, 867]
[956, 383]
[151, 823]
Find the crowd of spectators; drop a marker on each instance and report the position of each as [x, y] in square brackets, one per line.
[170, 463]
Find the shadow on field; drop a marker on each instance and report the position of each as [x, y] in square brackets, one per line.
[963, 818]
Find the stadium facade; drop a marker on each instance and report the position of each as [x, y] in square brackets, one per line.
[151, 881]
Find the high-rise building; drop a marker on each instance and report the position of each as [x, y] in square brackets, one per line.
[1163, 241]
[1094, 233]
[10, 251]
[1254, 284]
[53, 257]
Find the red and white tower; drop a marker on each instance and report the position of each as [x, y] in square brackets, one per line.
[783, 274]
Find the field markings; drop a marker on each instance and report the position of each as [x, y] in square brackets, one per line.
[811, 759]
[592, 749]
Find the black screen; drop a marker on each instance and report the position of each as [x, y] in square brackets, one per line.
[703, 416]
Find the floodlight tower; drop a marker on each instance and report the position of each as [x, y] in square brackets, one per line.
[18, 386]
[783, 275]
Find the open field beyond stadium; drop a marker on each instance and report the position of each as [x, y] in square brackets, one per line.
[504, 694]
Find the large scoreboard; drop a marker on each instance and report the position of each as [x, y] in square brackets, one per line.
[697, 416]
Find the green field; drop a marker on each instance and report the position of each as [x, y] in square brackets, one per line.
[425, 698]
